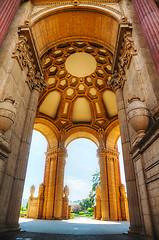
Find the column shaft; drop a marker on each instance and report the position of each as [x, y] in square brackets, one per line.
[18, 183]
[112, 189]
[148, 15]
[59, 183]
[104, 185]
[116, 174]
[134, 208]
[51, 188]
[7, 12]
[46, 181]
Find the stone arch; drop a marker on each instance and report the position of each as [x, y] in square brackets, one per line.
[51, 18]
[81, 132]
[48, 130]
[112, 135]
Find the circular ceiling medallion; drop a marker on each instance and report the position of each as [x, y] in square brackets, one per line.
[80, 64]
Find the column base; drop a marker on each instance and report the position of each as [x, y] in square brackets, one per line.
[136, 230]
[57, 218]
[10, 228]
[105, 219]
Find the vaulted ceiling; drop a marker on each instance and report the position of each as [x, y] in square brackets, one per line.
[77, 93]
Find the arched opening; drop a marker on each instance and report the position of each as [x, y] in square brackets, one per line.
[81, 165]
[35, 172]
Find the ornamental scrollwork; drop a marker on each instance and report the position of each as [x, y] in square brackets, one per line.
[23, 55]
[127, 51]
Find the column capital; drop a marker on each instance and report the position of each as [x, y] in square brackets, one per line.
[54, 152]
[102, 152]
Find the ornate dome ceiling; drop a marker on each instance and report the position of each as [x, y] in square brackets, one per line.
[77, 93]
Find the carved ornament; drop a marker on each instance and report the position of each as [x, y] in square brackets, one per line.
[26, 58]
[122, 61]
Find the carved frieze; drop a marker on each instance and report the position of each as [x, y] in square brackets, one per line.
[123, 60]
[24, 55]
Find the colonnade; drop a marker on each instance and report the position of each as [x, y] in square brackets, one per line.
[110, 185]
[55, 205]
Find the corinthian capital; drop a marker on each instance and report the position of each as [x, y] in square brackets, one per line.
[117, 80]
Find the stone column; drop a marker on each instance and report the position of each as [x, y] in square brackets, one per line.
[133, 201]
[98, 203]
[21, 164]
[65, 203]
[104, 183]
[116, 174]
[7, 12]
[52, 154]
[112, 189]
[40, 201]
[62, 154]
[124, 204]
[46, 183]
[148, 15]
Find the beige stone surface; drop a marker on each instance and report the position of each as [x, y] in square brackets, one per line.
[93, 30]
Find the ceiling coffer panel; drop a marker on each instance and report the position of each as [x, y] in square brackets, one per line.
[50, 104]
[81, 111]
[109, 100]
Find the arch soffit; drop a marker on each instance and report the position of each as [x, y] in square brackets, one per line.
[112, 135]
[81, 132]
[48, 129]
[49, 26]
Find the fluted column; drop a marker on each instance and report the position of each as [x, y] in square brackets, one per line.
[52, 154]
[62, 154]
[7, 12]
[148, 15]
[98, 203]
[116, 174]
[104, 184]
[46, 182]
[112, 189]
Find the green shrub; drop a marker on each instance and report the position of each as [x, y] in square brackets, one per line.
[81, 213]
[90, 209]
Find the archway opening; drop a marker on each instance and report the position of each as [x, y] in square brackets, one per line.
[35, 169]
[81, 166]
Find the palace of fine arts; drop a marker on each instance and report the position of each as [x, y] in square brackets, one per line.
[73, 69]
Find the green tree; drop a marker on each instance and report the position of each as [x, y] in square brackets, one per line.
[86, 203]
[95, 181]
[21, 209]
[26, 208]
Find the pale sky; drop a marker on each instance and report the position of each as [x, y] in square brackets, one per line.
[80, 165]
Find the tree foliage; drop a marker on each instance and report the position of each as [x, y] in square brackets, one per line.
[95, 181]
[86, 203]
[76, 208]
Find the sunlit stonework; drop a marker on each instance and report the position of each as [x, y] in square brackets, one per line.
[81, 69]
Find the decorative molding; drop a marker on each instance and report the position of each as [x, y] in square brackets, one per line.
[52, 6]
[56, 152]
[122, 57]
[107, 152]
[28, 60]
[60, 2]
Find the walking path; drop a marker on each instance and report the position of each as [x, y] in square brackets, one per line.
[73, 229]
[75, 226]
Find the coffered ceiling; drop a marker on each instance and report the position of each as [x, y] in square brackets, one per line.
[77, 93]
